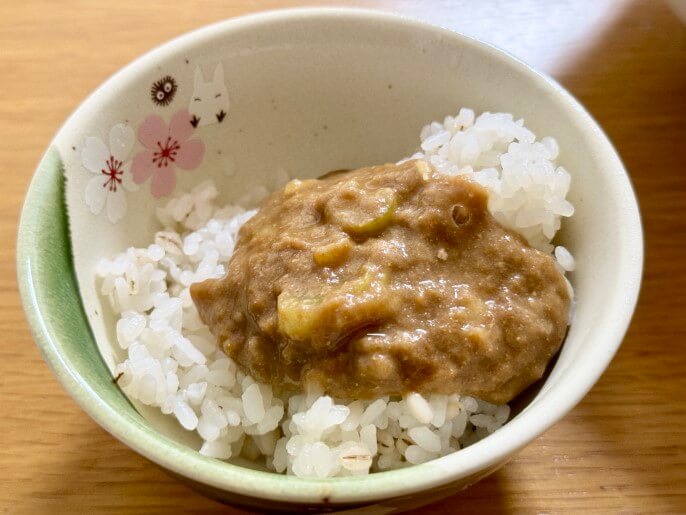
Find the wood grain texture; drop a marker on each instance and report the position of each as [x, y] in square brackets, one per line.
[622, 450]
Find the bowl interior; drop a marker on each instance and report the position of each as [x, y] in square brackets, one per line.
[312, 91]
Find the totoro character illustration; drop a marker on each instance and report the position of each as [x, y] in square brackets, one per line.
[210, 100]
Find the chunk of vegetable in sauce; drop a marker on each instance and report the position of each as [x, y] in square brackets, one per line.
[297, 315]
[372, 212]
[332, 253]
[323, 320]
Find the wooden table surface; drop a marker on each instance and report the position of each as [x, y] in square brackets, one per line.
[622, 450]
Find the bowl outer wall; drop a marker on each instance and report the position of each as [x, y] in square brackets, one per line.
[44, 301]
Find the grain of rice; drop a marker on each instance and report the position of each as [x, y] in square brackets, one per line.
[564, 258]
[195, 392]
[439, 406]
[214, 449]
[368, 438]
[252, 404]
[416, 455]
[356, 409]
[372, 412]
[419, 408]
[425, 438]
[185, 414]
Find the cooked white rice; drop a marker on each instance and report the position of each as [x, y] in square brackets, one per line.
[173, 362]
[527, 190]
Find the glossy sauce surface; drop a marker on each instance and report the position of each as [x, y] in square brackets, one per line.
[385, 280]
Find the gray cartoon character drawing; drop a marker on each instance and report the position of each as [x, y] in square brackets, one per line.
[210, 100]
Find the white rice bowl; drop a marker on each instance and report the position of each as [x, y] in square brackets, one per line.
[174, 364]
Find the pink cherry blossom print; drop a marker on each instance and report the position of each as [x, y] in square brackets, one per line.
[166, 148]
[112, 172]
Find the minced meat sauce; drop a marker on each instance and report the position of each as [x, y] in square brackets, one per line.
[387, 280]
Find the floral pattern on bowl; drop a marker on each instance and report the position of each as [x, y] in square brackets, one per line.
[167, 147]
[112, 172]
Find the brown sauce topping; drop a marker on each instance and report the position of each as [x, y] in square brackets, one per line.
[385, 280]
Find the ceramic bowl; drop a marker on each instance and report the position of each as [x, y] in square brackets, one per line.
[314, 90]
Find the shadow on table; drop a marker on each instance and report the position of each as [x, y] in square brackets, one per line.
[97, 474]
[101, 475]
